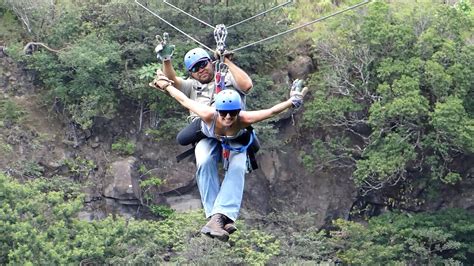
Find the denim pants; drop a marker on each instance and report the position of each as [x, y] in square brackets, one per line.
[224, 198]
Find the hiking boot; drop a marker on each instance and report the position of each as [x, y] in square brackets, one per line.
[229, 226]
[215, 227]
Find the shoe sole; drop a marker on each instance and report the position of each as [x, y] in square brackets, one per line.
[209, 233]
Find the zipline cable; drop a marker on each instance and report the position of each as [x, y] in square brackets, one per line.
[174, 27]
[184, 12]
[205, 23]
[301, 26]
[260, 14]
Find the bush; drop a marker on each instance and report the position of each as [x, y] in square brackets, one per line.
[123, 147]
[416, 239]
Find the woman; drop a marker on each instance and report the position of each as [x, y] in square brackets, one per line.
[223, 123]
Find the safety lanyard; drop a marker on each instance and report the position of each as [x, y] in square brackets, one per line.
[226, 149]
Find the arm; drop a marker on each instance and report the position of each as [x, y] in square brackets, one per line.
[250, 117]
[297, 94]
[241, 78]
[168, 70]
[162, 83]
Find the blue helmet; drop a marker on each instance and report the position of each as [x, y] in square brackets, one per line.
[193, 56]
[227, 100]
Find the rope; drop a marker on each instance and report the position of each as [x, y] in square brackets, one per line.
[222, 31]
[175, 7]
[174, 27]
[301, 26]
[260, 14]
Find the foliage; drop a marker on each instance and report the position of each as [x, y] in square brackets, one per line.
[10, 112]
[79, 168]
[425, 238]
[246, 246]
[5, 148]
[396, 85]
[38, 225]
[106, 57]
[161, 211]
[149, 184]
[26, 169]
[10, 29]
[302, 243]
[123, 146]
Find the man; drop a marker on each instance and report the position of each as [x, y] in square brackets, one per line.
[201, 84]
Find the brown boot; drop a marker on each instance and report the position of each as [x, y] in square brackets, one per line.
[215, 227]
[229, 226]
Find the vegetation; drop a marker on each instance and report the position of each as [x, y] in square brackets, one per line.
[123, 147]
[39, 226]
[445, 237]
[10, 112]
[395, 95]
[103, 55]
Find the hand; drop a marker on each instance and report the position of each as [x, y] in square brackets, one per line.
[163, 50]
[161, 82]
[297, 93]
[227, 54]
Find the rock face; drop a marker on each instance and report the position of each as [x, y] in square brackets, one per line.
[283, 184]
[121, 180]
[301, 67]
[121, 186]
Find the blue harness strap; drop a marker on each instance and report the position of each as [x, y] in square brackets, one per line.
[226, 146]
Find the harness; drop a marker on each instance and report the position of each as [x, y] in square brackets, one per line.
[246, 139]
[227, 148]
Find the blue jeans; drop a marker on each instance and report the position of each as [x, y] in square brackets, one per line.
[224, 198]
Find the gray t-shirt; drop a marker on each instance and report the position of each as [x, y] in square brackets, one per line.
[204, 93]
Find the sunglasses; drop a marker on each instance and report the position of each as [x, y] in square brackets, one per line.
[232, 113]
[199, 65]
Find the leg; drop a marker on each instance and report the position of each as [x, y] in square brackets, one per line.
[207, 156]
[229, 199]
[191, 133]
[208, 153]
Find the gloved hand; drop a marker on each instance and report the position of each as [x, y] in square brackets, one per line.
[163, 50]
[161, 82]
[297, 93]
[227, 54]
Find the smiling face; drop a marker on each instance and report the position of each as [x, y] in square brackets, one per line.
[227, 118]
[203, 74]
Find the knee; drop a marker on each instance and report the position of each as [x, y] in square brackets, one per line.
[204, 161]
[181, 139]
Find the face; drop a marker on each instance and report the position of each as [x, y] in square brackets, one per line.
[202, 71]
[227, 118]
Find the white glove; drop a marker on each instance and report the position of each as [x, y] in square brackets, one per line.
[297, 93]
[163, 50]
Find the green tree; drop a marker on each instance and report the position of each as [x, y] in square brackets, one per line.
[396, 84]
[425, 238]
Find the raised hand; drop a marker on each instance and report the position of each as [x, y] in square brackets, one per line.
[164, 51]
[297, 93]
